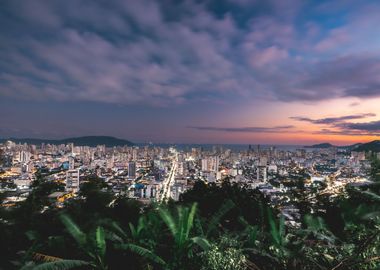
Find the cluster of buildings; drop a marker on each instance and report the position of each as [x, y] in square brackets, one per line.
[156, 173]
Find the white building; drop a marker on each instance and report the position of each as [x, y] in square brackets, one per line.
[205, 164]
[72, 180]
[24, 156]
[262, 173]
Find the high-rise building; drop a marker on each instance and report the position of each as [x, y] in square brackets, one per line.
[205, 164]
[71, 163]
[72, 180]
[132, 170]
[262, 173]
[214, 166]
[24, 156]
[210, 164]
[263, 161]
[134, 154]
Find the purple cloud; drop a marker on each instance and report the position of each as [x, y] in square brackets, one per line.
[333, 120]
[276, 129]
[373, 126]
[342, 126]
[148, 52]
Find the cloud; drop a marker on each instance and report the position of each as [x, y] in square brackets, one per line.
[267, 56]
[342, 126]
[336, 38]
[276, 129]
[333, 120]
[373, 126]
[327, 131]
[354, 104]
[160, 53]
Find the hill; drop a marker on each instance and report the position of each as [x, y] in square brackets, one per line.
[321, 145]
[373, 146]
[329, 145]
[91, 141]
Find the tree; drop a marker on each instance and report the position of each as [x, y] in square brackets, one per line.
[180, 226]
[92, 244]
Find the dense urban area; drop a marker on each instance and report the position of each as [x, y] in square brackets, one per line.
[259, 207]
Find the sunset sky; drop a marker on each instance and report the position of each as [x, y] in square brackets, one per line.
[223, 71]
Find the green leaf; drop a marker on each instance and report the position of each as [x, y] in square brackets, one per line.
[31, 235]
[202, 242]
[190, 219]
[371, 195]
[118, 229]
[274, 232]
[74, 230]
[143, 252]
[133, 230]
[61, 265]
[169, 221]
[215, 219]
[100, 241]
[372, 215]
[281, 226]
[141, 224]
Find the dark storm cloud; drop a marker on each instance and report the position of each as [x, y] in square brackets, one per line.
[165, 53]
[276, 129]
[333, 120]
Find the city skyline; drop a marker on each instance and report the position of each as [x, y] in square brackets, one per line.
[268, 72]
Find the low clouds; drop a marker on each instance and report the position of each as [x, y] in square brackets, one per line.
[277, 129]
[373, 126]
[343, 126]
[333, 120]
[163, 53]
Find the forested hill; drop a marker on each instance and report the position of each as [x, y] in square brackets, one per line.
[92, 141]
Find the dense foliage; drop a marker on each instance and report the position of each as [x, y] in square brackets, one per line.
[211, 227]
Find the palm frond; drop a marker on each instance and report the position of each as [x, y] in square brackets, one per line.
[182, 215]
[101, 241]
[141, 224]
[371, 195]
[169, 221]
[190, 220]
[202, 242]
[372, 215]
[60, 265]
[281, 226]
[251, 231]
[215, 219]
[112, 236]
[74, 230]
[114, 226]
[143, 252]
[132, 230]
[315, 223]
[274, 232]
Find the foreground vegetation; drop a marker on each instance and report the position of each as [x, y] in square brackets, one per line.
[211, 227]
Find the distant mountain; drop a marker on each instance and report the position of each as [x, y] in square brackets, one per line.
[78, 141]
[352, 146]
[373, 146]
[321, 145]
[329, 145]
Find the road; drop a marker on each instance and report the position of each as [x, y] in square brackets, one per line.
[169, 181]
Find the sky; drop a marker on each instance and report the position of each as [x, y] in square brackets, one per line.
[172, 71]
